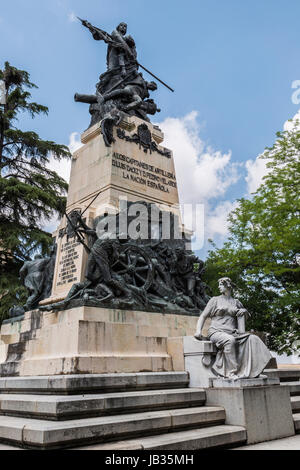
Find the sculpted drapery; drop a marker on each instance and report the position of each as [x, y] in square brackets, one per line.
[240, 354]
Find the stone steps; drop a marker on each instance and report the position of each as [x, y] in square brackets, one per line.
[296, 417]
[285, 375]
[131, 410]
[294, 387]
[62, 407]
[290, 378]
[7, 447]
[36, 433]
[196, 439]
[295, 404]
[93, 383]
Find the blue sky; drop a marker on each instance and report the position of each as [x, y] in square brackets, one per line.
[231, 62]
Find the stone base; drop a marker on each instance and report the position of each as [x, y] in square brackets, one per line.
[221, 382]
[197, 357]
[90, 340]
[265, 411]
[100, 177]
[191, 355]
[13, 320]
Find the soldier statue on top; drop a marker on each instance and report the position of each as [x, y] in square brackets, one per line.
[122, 88]
[121, 51]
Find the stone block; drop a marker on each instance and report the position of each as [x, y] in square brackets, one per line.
[195, 354]
[161, 379]
[285, 375]
[93, 340]
[81, 383]
[296, 417]
[175, 350]
[295, 404]
[28, 405]
[6, 447]
[206, 438]
[265, 412]
[294, 387]
[193, 346]
[119, 445]
[46, 434]
[221, 382]
[11, 328]
[193, 416]
[96, 364]
[11, 433]
[271, 373]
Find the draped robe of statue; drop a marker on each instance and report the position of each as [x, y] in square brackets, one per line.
[239, 354]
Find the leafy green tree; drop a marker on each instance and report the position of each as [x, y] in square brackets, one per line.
[262, 251]
[30, 192]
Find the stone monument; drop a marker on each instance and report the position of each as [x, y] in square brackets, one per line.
[115, 305]
[124, 279]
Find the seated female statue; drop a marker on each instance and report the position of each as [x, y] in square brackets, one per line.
[240, 354]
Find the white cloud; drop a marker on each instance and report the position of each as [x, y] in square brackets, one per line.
[290, 124]
[63, 169]
[217, 223]
[202, 173]
[74, 142]
[51, 225]
[72, 17]
[256, 170]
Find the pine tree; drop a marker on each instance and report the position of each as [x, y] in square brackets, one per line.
[30, 192]
[262, 252]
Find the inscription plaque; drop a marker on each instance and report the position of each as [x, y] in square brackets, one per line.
[67, 272]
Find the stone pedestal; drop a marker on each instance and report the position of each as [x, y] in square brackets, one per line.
[260, 404]
[198, 355]
[127, 168]
[221, 382]
[103, 176]
[91, 340]
[265, 411]
[193, 356]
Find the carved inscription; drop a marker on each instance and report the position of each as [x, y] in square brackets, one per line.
[143, 173]
[67, 265]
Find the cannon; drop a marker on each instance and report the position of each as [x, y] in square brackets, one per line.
[136, 264]
[150, 107]
[90, 99]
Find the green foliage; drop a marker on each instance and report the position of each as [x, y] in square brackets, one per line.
[261, 253]
[30, 192]
[11, 290]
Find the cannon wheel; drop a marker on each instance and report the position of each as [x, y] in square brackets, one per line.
[136, 262]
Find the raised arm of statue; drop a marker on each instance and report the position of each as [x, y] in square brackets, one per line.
[98, 34]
